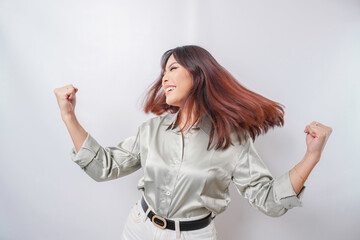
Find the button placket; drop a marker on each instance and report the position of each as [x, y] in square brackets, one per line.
[175, 172]
[164, 195]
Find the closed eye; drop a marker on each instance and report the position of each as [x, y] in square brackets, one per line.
[171, 68]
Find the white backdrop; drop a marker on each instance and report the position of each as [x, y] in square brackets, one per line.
[303, 54]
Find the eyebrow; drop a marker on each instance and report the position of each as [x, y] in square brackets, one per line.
[170, 65]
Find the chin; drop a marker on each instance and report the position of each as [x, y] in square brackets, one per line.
[171, 104]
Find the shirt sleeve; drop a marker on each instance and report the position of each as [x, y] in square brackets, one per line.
[253, 180]
[107, 163]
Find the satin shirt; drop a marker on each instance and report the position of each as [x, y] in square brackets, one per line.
[181, 178]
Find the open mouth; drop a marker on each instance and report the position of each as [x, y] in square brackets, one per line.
[170, 89]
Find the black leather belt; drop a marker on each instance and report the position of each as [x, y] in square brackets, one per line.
[170, 224]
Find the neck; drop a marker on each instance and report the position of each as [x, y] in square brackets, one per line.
[183, 116]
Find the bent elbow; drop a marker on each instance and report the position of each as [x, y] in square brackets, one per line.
[98, 179]
[99, 175]
[275, 212]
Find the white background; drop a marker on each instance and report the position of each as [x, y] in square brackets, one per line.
[303, 54]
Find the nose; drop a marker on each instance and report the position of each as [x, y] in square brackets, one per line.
[164, 78]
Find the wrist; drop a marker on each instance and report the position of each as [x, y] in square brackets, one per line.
[69, 117]
[313, 156]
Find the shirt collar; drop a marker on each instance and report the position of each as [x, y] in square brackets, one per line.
[204, 122]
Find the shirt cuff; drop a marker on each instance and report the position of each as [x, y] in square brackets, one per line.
[285, 194]
[86, 153]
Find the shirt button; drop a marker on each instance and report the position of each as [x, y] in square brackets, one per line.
[168, 193]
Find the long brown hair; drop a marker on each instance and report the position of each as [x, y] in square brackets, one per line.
[215, 92]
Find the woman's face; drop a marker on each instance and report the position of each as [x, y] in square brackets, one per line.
[176, 82]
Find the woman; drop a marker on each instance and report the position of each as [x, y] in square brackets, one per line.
[191, 154]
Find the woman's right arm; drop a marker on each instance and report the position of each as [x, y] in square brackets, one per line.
[66, 98]
[100, 163]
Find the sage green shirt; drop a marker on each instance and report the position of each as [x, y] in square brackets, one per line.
[181, 178]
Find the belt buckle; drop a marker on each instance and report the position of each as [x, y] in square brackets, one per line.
[161, 219]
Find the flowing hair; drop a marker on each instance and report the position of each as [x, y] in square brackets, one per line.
[216, 93]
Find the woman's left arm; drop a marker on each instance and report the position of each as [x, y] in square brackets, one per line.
[316, 138]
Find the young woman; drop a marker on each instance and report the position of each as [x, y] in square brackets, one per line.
[190, 154]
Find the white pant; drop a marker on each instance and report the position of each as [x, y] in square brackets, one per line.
[138, 229]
